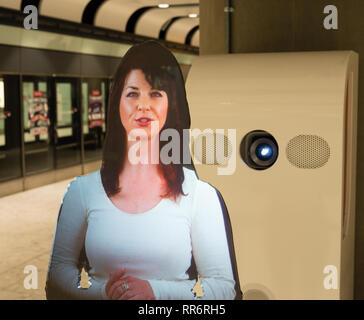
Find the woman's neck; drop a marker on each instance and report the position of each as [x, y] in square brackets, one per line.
[142, 157]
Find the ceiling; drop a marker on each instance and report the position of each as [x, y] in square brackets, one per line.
[141, 17]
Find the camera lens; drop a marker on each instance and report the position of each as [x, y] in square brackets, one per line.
[259, 150]
[264, 151]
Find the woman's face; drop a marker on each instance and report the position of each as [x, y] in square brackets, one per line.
[140, 104]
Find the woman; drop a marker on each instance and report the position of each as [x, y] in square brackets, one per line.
[137, 222]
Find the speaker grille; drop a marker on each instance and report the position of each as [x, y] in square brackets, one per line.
[212, 148]
[308, 151]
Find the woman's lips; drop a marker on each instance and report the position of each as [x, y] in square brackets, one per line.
[143, 121]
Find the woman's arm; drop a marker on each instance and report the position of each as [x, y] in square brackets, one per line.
[210, 251]
[64, 266]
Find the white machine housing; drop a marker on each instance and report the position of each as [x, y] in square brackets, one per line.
[293, 223]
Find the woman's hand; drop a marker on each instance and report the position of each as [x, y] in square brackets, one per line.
[138, 289]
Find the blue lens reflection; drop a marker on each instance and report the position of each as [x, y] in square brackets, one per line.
[264, 151]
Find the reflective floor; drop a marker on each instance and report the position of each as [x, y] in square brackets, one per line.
[27, 222]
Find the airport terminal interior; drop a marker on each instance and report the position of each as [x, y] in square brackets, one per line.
[55, 81]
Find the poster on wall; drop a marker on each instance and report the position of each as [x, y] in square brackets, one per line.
[38, 114]
[95, 114]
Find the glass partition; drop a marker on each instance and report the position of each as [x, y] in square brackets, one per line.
[37, 117]
[94, 100]
[53, 122]
[68, 123]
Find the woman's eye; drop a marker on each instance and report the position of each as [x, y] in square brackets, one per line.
[156, 94]
[132, 94]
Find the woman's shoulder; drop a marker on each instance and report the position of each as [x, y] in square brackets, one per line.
[205, 198]
[199, 186]
[190, 175]
[191, 180]
[89, 178]
[83, 182]
[83, 188]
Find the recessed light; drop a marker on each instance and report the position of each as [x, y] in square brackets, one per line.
[192, 15]
[163, 5]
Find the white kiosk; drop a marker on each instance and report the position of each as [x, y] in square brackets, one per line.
[292, 220]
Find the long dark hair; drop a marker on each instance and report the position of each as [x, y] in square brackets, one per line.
[162, 72]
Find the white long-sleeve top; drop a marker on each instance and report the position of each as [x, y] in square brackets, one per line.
[155, 245]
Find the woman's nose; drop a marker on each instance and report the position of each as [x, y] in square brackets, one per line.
[143, 104]
[141, 107]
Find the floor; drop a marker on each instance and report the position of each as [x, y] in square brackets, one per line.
[27, 223]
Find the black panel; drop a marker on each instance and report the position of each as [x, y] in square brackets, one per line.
[25, 3]
[40, 61]
[113, 65]
[190, 35]
[9, 59]
[94, 65]
[10, 159]
[49, 62]
[134, 18]
[90, 11]
[163, 31]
